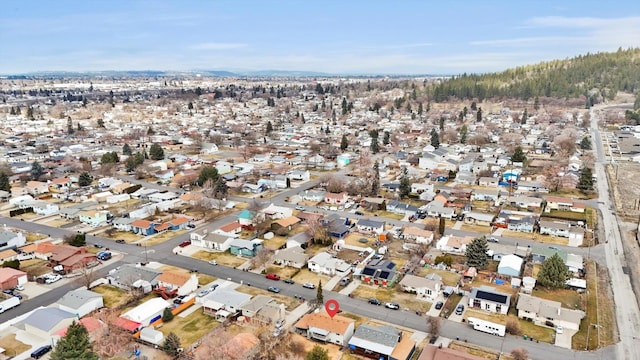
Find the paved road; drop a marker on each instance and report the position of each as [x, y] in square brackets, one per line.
[627, 311]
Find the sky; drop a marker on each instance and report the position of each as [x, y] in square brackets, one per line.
[331, 36]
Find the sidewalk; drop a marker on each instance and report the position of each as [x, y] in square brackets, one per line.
[294, 315]
[332, 283]
[350, 287]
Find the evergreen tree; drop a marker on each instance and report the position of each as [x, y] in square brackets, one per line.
[585, 181]
[420, 110]
[5, 184]
[518, 155]
[110, 158]
[344, 106]
[167, 315]
[477, 253]
[126, 150]
[441, 123]
[75, 344]
[553, 273]
[150, 131]
[441, 226]
[375, 182]
[525, 116]
[435, 139]
[463, 134]
[156, 152]
[317, 353]
[70, 129]
[385, 138]
[207, 173]
[479, 114]
[319, 295]
[585, 143]
[405, 184]
[171, 344]
[536, 104]
[474, 106]
[36, 170]
[269, 127]
[344, 143]
[220, 188]
[85, 179]
[130, 164]
[100, 123]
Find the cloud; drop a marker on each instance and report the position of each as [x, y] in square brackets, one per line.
[217, 46]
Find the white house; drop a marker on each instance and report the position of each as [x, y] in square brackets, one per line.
[292, 256]
[299, 175]
[425, 288]
[147, 311]
[421, 236]
[211, 240]
[510, 265]
[370, 226]
[185, 283]
[488, 299]
[80, 302]
[325, 264]
[10, 239]
[453, 244]
[275, 212]
[541, 311]
[44, 208]
[320, 326]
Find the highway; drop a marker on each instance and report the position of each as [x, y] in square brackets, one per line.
[627, 311]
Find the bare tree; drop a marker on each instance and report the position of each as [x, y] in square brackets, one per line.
[553, 179]
[520, 354]
[335, 185]
[262, 257]
[317, 231]
[114, 339]
[433, 323]
[513, 327]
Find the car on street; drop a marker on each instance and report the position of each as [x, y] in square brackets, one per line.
[272, 276]
[439, 305]
[279, 324]
[459, 309]
[358, 212]
[493, 239]
[185, 243]
[191, 226]
[213, 262]
[99, 246]
[308, 285]
[392, 305]
[374, 301]
[301, 208]
[273, 289]
[289, 281]
[344, 281]
[120, 241]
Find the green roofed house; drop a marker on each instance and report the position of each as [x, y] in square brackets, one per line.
[246, 217]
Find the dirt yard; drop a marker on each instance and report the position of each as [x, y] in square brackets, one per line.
[13, 346]
[626, 188]
[223, 258]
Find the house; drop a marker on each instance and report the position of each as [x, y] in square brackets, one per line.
[44, 250]
[488, 299]
[485, 195]
[374, 203]
[437, 209]
[329, 329]
[60, 184]
[542, 311]
[488, 181]
[130, 277]
[8, 255]
[254, 188]
[300, 239]
[223, 302]
[432, 352]
[478, 218]
[424, 288]
[185, 283]
[243, 247]
[291, 256]
[381, 342]
[122, 223]
[230, 229]
[263, 309]
[555, 228]
[336, 198]
[299, 175]
[36, 188]
[576, 236]
[522, 224]
[539, 254]
[524, 202]
[143, 227]
[453, 244]
[510, 265]
[10, 278]
[71, 257]
[286, 223]
[93, 218]
[245, 217]
[379, 272]
[9, 239]
[419, 188]
[275, 212]
[532, 186]
[44, 322]
[44, 208]
[178, 223]
[370, 226]
[313, 195]
[420, 236]
[558, 203]
[80, 302]
[325, 264]
[159, 197]
[210, 240]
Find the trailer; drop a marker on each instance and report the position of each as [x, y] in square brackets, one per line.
[487, 326]
[9, 303]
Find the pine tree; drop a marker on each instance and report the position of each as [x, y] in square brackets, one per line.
[536, 104]
[435, 139]
[167, 315]
[553, 273]
[375, 182]
[463, 134]
[441, 226]
[385, 138]
[171, 344]
[319, 295]
[207, 173]
[5, 184]
[518, 155]
[585, 144]
[70, 129]
[75, 344]
[269, 127]
[126, 150]
[477, 253]
[36, 170]
[85, 179]
[405, 184]
[479, 114]
[317, 353]
[344, 143]
[156, 152]
[585, 181]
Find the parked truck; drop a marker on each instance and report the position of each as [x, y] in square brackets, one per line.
[9, 303]
[487, 326]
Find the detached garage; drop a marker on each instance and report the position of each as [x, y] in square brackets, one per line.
[510, 265]
[10, 278]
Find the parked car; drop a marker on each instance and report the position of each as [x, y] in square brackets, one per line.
[289, 281]
[392, 305]
[213, 262]
[493, 239]
[19, 287]
[459, 309]
[273, 276]
[301, 208]
[179, 299]
[273, 289]
[375, 301]
[41, 351]
[120, 241]
[439, 305]
[559, 329]
[344, 281]
[52, 278]
[203, 293]
[358, 212]
[191, 226]
[279, 323]
[185, 243]
[308, 285]
[99, 246]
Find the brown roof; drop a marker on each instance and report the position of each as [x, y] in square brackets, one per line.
[230, 226]
[162, 227]
[241, 345]
[431, 352]
[179, 221]
[338, 324]
[288, 221]
[29, 248]
[334, 195]
[177, 278]
[141, 223]
[309, 216]
[7, 254]
[63, 252]
[78, 260]
[58, 181]
[403, 348]
[10, 273]
[45, 247]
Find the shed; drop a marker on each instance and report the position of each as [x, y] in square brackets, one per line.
[510, 265]
[151, 335]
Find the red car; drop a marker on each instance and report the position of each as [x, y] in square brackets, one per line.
[273, 276]
[185, 243]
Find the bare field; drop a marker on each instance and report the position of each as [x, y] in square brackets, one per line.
[626, 188]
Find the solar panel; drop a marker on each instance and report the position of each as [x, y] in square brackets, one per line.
[391, 265]
[384, 274]
[502, 299]
[368, 271]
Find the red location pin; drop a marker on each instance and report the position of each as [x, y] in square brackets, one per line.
[332, 307]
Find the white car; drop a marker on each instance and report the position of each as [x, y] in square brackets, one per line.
[213, 262]
[52, 278]
[559, 329]
[300, 208]
[19, 287]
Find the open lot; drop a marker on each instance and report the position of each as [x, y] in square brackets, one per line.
[57, 222]
[34, 267]
[127, 236]
[353, 239]
[223, 258]
[285, 272]
[625, 185]
[13, 346]
[31, 237]
[547, 239]
[189, 328]
[163, 236]
[405, 300]
[304, 275]
[112, 296]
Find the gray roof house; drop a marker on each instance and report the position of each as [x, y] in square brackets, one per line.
[224, 302]
[423, 287]
[293, 256]
[540, 311]
[130, 276]
[80, 302]
[44, 322]
[379, 342]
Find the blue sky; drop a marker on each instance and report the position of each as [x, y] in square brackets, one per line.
[342, 36]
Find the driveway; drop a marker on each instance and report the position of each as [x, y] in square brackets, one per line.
[564, 340]
[458, 318]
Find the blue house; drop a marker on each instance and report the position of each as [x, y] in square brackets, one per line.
[143, 227]
[246, 217]
[178, 223]
[245, 248]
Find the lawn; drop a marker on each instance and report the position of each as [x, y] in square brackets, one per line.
[31, 237]
[547, 239]
[275, 243]
[190, 328]
[565, 215]
[162, 237]
[450, 304]
[570, 299]
[353, 240]
[391, 215]
[111, 296]
[57, 222]
[34, 267]
[289, 302]
[580, 338]
[285, 272]
[476, 229]
[124, 235]
[367, 292]
[479, 351]
[12, 346]
[223, 258]
[449, 278]
[304, 275]
[204, 279]
[528, 328]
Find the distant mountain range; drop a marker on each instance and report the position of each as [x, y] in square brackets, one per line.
[204, 73]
